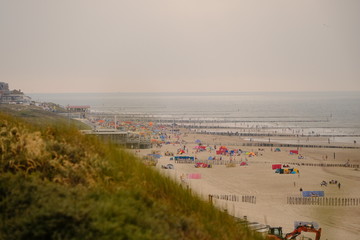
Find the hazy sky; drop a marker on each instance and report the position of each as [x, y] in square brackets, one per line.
[180, 45]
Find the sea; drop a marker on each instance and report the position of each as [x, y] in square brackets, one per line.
[310, 113]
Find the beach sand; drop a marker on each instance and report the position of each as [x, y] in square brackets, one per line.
[271, 189]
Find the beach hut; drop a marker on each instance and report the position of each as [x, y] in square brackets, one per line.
[184, 158]
[276, 166]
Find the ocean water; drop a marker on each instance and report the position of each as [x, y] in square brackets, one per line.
[317, 112]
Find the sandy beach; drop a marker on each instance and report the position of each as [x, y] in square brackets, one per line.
[257, 192]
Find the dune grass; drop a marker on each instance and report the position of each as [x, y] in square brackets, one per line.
[56, 183]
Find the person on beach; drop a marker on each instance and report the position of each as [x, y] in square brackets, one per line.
[339, 185]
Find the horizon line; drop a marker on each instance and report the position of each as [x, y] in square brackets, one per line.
[193, 92]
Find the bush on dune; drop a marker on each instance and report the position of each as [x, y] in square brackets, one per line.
[56, 183]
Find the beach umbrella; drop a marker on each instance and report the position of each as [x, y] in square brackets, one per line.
[197, 141]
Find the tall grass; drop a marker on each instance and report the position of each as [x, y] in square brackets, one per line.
[58, 184]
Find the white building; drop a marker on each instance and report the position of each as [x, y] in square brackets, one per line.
[8, 96]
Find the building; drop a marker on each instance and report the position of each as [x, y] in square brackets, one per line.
[78, 111]
[121, 138]
[8, 96]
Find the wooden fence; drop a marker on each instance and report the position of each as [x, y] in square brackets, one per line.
[237, 162]
[211, 162]
[233, 198]
[323, 201]
[330, 165]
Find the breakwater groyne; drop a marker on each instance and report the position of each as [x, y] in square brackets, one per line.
[268, 134]
[238, 162]
[274, 144]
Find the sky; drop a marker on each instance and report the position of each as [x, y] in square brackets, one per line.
[52, 46]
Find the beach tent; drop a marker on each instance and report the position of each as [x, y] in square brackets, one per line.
[155, 155]
[201, 148]
[294, 152]
[277, 150]
[197, 141]
[181, 151]
[313, 193]
[250, 154]
[202, 165]
[210, 158]
[222, 150]
[276, 166]
[243, 164]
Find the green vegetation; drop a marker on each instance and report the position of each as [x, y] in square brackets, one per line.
[37, 116]
[56, 183]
